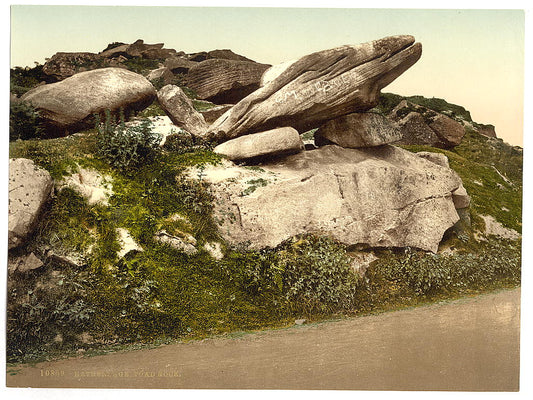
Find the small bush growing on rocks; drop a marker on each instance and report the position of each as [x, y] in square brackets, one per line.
[317, 275]
[126, 147]
[24, 121]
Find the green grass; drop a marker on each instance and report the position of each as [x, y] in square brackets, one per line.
[161, 294]
[475, 160]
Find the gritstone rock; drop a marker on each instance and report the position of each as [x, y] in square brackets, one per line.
[321, 86]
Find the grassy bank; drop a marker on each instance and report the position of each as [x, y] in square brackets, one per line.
[159, 294]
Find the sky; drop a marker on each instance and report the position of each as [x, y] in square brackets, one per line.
[474, 58]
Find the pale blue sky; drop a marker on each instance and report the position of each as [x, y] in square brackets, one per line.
[470, 57]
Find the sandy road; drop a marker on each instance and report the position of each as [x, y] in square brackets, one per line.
[468, 344]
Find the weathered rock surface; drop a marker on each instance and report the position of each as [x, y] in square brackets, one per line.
[270, 143]
[127, 243]
[62, 65]
[274, 71]
[493, 227]
[487, 130]
[163, 74]
[179, 65]
[359, 130]
[29, 189]
[460, 197]
[214, 113]
[437, 158]
[321, 86]
[226, 54]
[185, 244]
[160, 124]
[68, 106]
[381, 197]
[422, 126]
[181, 110]
[90, 184]
[225, 81]
[138, 49]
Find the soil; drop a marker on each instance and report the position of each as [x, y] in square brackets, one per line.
[470, 344]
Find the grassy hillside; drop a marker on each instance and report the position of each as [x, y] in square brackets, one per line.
[162, 294]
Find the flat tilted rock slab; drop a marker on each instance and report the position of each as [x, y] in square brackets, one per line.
[29, 189]
[319, 87]
[381, 196]
[270, 143]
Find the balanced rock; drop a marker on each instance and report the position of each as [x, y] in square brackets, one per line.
[225, 81]
[359, 130]
[275, 142]
[378, 196]
[321, 86]
[68, 106]
[181, 110]
[29, 189]
[422, 126]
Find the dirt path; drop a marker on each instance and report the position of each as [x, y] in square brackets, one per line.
[468, 344]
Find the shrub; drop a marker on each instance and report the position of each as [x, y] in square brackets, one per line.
[183, 142]
[24, 79]
[45, 311]
[126, 147]
[24, 121]
[317, 275]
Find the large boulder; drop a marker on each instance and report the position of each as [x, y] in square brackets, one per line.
[181, 110]
[62, 65]
[359, 130]
[321, 86]
[379, 196]
[69, 106]
[422, 126]
[225, 81]
[276, 142]
[29, 189]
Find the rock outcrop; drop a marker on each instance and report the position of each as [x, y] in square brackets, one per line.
[181, 110]
[62, 65]
[380, 197]
[422, 126]
[162, 74]
[321, 86]
[358, 130]
[179, 65]
[29, 189]
[214, 113]
[224, 81]
[69, 105]
[486, 130]
[280, 141]
[226, 54]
